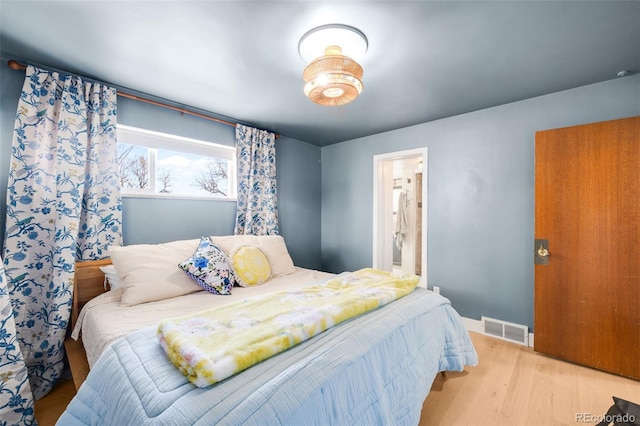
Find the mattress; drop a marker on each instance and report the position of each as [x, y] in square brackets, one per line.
[373, 369]
[103, 320]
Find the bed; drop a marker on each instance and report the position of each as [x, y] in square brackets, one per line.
[375, 368]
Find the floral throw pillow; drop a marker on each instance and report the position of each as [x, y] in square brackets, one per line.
[209, 267]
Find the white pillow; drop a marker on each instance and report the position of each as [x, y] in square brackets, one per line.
[273, 246]
[150, 272]
[111, 277]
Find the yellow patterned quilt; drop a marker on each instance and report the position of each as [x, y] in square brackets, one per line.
[210, 346]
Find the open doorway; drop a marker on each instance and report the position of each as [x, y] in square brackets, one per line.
[399, 212]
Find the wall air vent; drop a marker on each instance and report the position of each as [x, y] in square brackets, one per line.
[506, 330]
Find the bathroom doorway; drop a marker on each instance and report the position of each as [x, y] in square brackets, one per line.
[400, 212]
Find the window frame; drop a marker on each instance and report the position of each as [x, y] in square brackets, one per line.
[153, 141]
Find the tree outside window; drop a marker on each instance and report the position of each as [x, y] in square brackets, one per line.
[173, 167]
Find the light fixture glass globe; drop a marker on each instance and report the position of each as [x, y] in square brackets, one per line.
[352, 41]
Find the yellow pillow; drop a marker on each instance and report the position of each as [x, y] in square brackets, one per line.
[250, 266]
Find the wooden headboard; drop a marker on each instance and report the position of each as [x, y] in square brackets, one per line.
[88, 283]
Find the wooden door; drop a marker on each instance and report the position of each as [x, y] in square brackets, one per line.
[587, 205]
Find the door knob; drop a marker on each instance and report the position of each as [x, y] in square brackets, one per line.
[541, 252]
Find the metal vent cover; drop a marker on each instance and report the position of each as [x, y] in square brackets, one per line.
[511, 332]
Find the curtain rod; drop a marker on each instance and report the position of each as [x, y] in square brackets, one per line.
[15, 65]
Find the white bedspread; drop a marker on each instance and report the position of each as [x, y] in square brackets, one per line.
[103, 320]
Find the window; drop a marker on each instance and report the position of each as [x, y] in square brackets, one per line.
[161, 165]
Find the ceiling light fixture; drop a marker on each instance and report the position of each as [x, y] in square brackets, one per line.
[333, 77]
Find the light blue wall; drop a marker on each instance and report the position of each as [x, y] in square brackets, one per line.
[480, 205]
[10, 88]
[155, 220]
[299, 197]
[298, 167]
[152, 220]
[480, 209]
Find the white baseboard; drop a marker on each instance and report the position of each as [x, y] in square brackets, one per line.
[475, 326]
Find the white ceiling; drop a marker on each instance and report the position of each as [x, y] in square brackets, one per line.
[426, 59]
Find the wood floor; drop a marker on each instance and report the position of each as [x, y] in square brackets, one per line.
[512, 385]
[49, 408]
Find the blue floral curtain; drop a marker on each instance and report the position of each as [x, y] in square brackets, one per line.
[63, 205]
[257, 211]
[16, 402]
